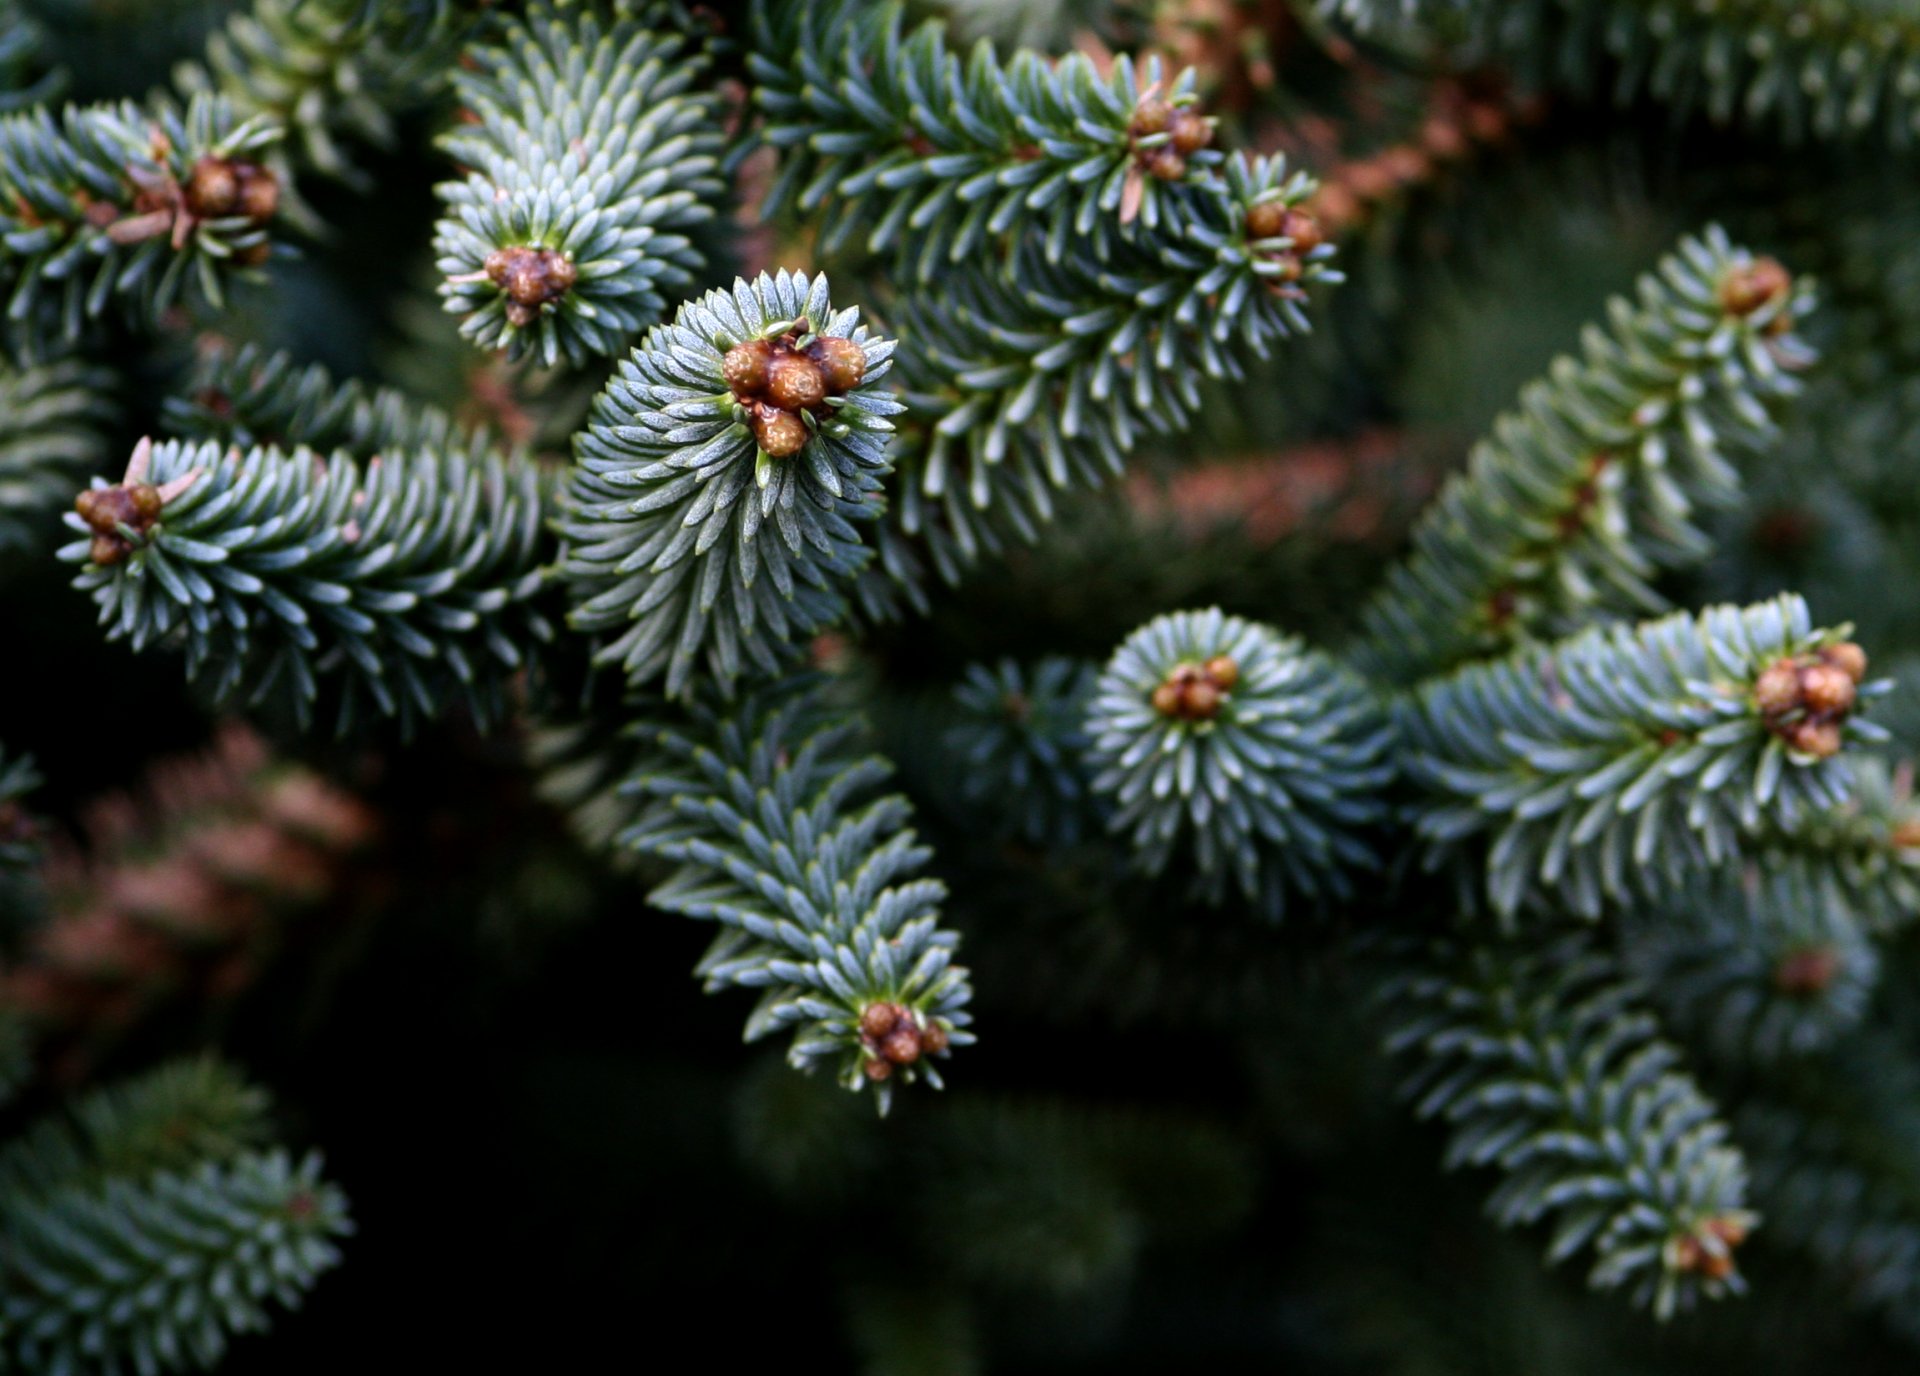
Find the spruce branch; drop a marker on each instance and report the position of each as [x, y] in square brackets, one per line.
[1830, 68]
[895, 137]
[1020, 744]
[770, 815]
[1758, 964]
[413, 579]
[1590, 488]
[1627, 758]
[1264, 760]
[159, 1273]
[171, 1118]
[324, 70]
[1543, 1066]
[594, 151]
[138, 208]
[249, 396]
[51, 421]
[1864, 855]
[710, 517]
[1034, 380]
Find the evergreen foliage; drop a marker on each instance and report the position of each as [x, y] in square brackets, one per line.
[1020, 745]
[413, 580]
[1264, 761]
[574, 268]
[1536, 1058]
[18, 778]
[51, 419]
[100, 207]
[1828, 68]
[688, 543]
[1590, 489]
[770, 818]
[1625, 756]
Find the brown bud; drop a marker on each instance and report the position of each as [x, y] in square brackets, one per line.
[259, 191]
[1266, 220]
[529, 278]
[1777, 690]
[1166, 163]
[933, 1039]
[1745, 290]
[1906, 836]
[1732, 1231]
[1188, 131]
[1847, 657]
[877, 1070]
[253, 255]
[107, 549]
[1201, 701]
[1150, 116]
[1303, 229]
[902, 1045]
[1166, 700]
[878, 1019]
[842, 363]
[1806, 972]
[745, 368]
[1223, 673]
[794, 381]
[780, 433]
[213, 188]
[1826, 689]
[1820, 739]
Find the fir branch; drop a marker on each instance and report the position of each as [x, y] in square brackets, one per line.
[1589, 489]
[594, 152]
[249, 396]
[709, 521]
[897, 138]
[1864, 855]
[770, 817]
[139, 208]
[1019, 748]
[324, 70]
[1543, 1066]
[51, 421]
[412, 579]
[1759, 965]
[170, 1119]
[1832, 68]
[1627, 758]
[1038, 379]
[1264, 760]
[160, 1273]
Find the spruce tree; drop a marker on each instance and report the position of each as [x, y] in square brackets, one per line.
[1222, 610]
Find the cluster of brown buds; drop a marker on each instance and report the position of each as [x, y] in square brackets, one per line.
[783, 379]
[121, 516]
[1708, 1249]
[216, 189]
[1194, 692]
[1807, 972]
[1271, 220]
[893, 1034]
[1805, 700]
[529, 278]
[1760, 283]
[1165, 134]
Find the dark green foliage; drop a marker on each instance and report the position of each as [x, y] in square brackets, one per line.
[1757, 964]
[170, 1119]
[18, 778]
[1832, 68]
[1018, 749]
[771, 818]
[687, 544]
[22, 56]
[157, 1274]
[1620, 759]
[1592, 486]
[1277, 791]
[91, 215]
[1865, 854]
[619, 111]
[413, 580]
[1537, 1058]
[51, 417]
[248, 396]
